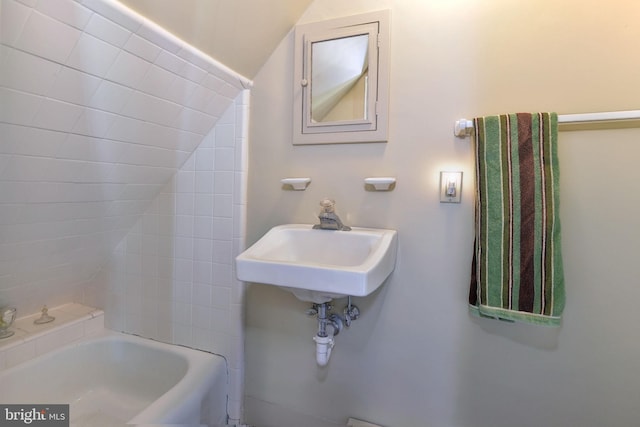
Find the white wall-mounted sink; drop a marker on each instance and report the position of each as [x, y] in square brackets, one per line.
[320, 265]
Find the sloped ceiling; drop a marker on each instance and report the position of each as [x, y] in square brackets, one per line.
[239, 33]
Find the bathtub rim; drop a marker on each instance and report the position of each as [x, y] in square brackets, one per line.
[203, 370]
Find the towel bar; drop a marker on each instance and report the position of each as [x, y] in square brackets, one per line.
[464, 127]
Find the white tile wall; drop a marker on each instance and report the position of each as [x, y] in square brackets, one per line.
[36, 37]
[98, 109]
[27, 72]
[171, 278]
[67, 11]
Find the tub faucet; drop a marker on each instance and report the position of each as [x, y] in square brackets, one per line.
[7, 316]
[329, 220]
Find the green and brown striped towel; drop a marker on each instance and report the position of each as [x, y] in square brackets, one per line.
[517, 269]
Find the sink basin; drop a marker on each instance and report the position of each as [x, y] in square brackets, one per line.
[320, 265]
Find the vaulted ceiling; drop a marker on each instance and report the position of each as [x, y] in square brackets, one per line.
[241, 34]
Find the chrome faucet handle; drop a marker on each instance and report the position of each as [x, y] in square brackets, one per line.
[45, 317]
[7, 317]
[328, 205]
[351, 313]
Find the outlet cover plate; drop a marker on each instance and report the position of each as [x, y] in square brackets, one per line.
[450, 187]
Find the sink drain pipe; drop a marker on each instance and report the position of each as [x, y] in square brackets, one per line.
[324, 339]
[323, 349]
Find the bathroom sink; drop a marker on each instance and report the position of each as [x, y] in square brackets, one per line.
[320, 265]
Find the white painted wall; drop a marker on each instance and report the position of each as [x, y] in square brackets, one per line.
[416, 357]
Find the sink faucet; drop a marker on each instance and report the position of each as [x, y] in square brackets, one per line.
[329, 220]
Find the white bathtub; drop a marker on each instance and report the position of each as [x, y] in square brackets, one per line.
[114, 379]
